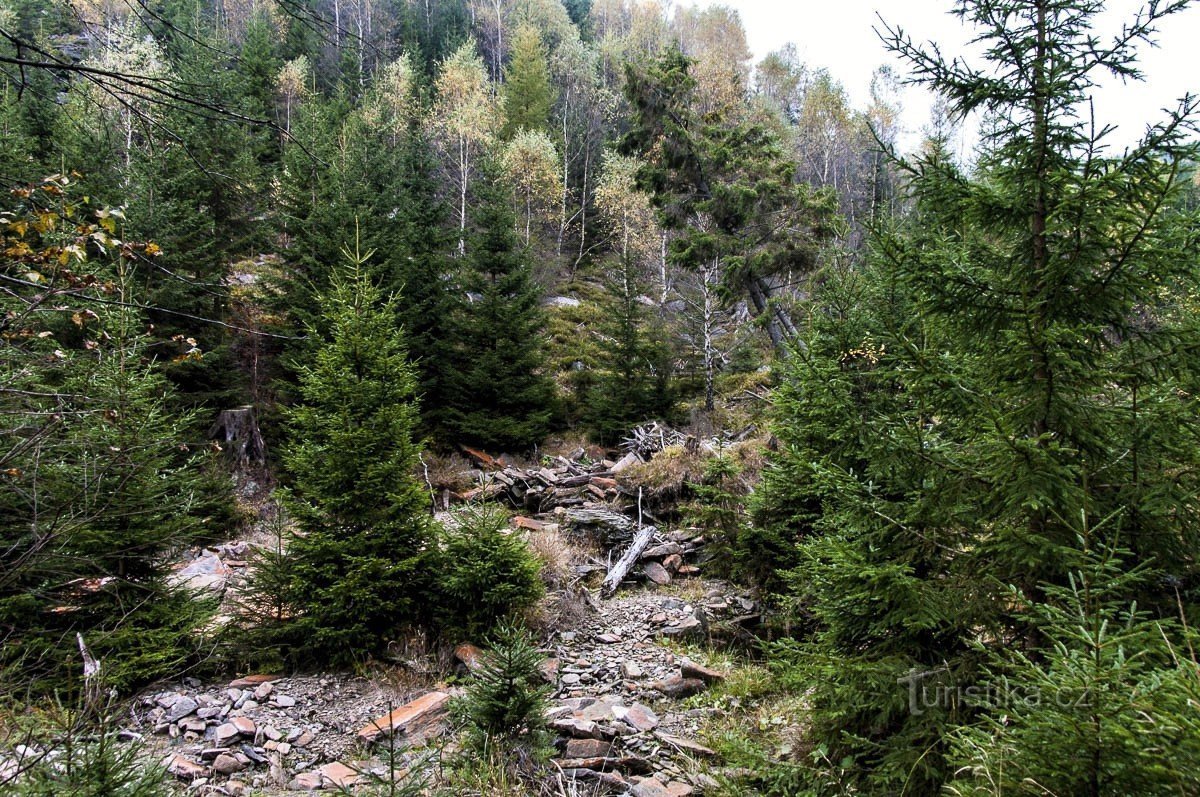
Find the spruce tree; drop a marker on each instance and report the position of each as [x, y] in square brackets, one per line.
[357, 567]
[497, 393]
[1106, 706]
[633, 385]
[102, 483]
[725, 186]
[1022, 383]
[378, 175]
[527, 92]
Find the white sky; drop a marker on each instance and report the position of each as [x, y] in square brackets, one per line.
[838, 35]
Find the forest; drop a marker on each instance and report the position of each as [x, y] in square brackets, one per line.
[548, 397]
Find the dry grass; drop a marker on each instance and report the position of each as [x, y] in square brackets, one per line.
[566, 602]
[451, 472]
[559, 552]
[665, 478]
[569, 445]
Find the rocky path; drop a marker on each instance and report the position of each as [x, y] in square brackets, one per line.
[618, 675]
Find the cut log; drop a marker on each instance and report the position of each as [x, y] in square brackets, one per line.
[586, 478]
[619, 570]
[482, 460]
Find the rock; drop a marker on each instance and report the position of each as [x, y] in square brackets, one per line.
[609, 639]
[575, 727]
[415, 720]
[549, 670]
[227, 764]
[570, 678]
[679, 687]
[529, 524]
[244, 725]
[631, 669]
[338, 775]
[263, 690]
[686, 745]
[195, 725]
[180, 709]
[305, 781]
[673, 563]
[638, 716]
[612, 779]
[656, 573]
[469, 655]
[226, 734]
[588, 748]
[185, 769]
[627, 763]
[627, 461]
[666, 549]
[691, 669]
[235, 788]
[691, 626]
[252, 681]
[687, 571]
[652, 787]
[252, 754]
[284, 701]
[205, 572]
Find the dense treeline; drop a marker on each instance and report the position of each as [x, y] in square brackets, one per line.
[396, 225]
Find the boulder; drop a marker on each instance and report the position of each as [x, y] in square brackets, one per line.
[679, 687]
[691, 669]
[685, 745]
[416, 720]
[252, 681]
[185, 769]
[180, 708]
[587, 748]
[338, 775]
[656, 573]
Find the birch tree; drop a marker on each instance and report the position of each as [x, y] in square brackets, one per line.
[464, 122]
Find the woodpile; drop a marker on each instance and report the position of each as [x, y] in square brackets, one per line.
[560, 483]
[583, 497]
[650, 438]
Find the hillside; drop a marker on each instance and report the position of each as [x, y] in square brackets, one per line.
[548, 397]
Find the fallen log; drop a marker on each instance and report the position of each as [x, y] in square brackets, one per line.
[619, 570]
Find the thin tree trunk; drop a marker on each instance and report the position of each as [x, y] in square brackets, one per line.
[709, 350]
[462, 195]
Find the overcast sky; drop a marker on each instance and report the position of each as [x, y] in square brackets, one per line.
[838, 35]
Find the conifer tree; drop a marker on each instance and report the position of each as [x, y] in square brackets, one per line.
[100, 484]
[1020, 385]
[527, 93]
[725, 186]
[1096, 710]
[497, 393]
[357, 566]
[633, 385]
